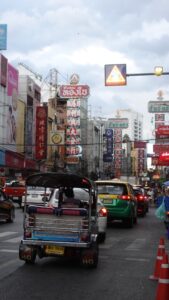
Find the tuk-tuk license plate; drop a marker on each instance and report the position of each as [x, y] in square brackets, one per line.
[54, 250]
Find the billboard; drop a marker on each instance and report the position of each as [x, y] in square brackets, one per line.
[41, 132]
[11, 117]
[3, 36]
[74, 91]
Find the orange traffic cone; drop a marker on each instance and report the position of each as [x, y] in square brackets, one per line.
[160, 252]
[163, 281]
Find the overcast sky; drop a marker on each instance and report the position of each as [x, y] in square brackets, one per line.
[81, 36]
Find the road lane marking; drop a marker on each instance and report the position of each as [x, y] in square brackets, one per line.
[6, 233]
[137, 259]
[9, 250]
[136, 245]
[14, 240]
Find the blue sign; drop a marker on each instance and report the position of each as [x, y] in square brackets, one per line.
[107, 157]
[3, 36]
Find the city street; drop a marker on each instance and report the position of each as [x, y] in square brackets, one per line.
[126, 261]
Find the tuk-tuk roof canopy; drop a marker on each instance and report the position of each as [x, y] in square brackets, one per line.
[59, 179]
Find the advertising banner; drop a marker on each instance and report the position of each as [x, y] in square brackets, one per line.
[3, 70]
[74, 91]
[12, 80]
[3, 36]
[11, 121]
[41, 132]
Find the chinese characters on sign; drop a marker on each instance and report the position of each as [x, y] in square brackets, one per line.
[73, 132]
[41, 132]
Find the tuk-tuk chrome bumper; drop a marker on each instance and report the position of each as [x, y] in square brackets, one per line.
[31, 242]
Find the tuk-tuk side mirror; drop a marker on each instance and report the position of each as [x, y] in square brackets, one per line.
[45, 199]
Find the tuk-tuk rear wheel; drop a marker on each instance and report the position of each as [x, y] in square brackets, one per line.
[89, 257]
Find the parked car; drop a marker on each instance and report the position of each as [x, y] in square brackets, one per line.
[142, 200]
[35, 195]
[119, 199]
[83, 196]
[7, 208]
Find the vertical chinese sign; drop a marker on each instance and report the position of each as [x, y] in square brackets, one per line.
[73, 133]
[41, 132]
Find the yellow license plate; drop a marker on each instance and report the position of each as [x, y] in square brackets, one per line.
[54, 250]
[107, 201]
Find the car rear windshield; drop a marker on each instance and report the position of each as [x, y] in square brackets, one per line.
[115, 189]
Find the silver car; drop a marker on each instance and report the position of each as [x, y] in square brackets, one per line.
[35, 195]
[83, 196]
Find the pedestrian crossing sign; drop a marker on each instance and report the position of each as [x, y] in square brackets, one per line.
[115, 75]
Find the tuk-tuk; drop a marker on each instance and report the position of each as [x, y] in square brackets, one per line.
[70, 231]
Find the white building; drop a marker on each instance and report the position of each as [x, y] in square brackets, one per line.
[135, 128]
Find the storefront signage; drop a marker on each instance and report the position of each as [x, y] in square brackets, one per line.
[72, 160]
[140, 144]
[118, 123]
[74, 91]
[57, 137]
[163, 130]
[158, 149]
[41, 132]
[158, 106]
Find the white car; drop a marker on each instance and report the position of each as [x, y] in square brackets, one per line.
[35, 195]
[83, 196]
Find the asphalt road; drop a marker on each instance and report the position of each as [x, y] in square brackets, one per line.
[126, 260]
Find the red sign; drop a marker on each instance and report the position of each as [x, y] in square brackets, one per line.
[139, 144]
[14, 160]
[3, 70]
[163, 130]
[158, 149]
[157, 161]
[74, 91]
[164, 157]
[41, 132]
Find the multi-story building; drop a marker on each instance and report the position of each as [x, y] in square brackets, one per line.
[135, 125]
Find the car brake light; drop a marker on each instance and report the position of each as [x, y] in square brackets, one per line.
[140, 197]
[103, 212]
[125, 197]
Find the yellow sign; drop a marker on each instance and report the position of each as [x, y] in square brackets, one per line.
[115, 75]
